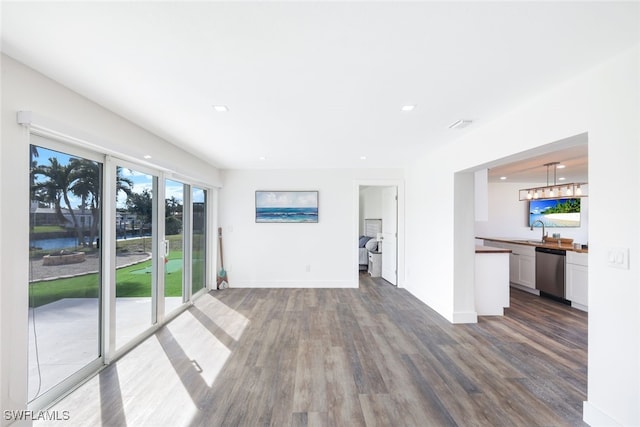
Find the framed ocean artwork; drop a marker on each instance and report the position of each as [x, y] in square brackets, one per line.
[287, 206]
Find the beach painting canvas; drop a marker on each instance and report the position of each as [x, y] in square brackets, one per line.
[287, 206]
[555, 212]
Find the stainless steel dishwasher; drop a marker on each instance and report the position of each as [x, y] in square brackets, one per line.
[550, 271]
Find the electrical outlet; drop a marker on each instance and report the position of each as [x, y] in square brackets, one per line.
[618, 258]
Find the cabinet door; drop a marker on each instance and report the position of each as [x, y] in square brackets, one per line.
[577, 284]
[514, 268]
[527, 271]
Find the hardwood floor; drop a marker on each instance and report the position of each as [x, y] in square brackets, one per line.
[373, 356]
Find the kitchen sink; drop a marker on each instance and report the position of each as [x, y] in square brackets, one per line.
[533, 242]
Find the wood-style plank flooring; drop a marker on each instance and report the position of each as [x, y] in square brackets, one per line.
[374, 356]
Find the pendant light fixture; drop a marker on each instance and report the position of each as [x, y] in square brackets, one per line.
[553, 190]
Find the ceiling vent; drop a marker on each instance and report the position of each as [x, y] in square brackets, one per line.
[460, 124]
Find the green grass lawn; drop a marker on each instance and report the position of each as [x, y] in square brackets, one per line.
[47, 228]
[132, 281]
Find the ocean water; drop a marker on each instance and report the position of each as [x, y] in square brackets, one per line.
[286, 214]
[560, 220]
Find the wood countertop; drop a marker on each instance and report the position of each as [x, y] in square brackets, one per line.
[549, 243]
[491, 250]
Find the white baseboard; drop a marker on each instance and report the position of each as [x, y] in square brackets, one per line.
[579, 306]
[291, 284]
[596, 418]
[464, 317]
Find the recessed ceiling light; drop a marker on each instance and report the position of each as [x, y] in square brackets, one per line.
[363, 157]
[459, 124]
[221, 108]
[503, 178]
[562, 178]
[262, 158]
[561, 166]
[147, 156]
[408, 107]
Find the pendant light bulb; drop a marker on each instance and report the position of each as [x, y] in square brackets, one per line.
[578, 191]
[569, 191]
[529, 195]
[535, 194]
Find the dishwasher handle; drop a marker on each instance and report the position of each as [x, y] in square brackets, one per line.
[560, 252]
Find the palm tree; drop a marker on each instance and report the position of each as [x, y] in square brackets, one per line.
[85, 183]
[123, 184]
[57, 187]
[49, 191]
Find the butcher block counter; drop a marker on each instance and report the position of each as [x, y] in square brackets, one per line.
[549, 242]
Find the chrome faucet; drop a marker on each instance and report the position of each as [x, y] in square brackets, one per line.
[543, 233]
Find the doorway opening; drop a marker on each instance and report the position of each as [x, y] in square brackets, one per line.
[499, 212]
[378, 221]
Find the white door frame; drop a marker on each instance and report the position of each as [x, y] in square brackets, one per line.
[400, 218]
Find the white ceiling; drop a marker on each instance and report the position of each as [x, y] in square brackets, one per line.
[572, 167]
[313, 84]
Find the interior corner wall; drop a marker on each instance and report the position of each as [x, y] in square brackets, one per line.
[603, 102]
[24, 89]
[322, 254]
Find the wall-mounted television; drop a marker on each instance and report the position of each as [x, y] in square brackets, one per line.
[555, 212]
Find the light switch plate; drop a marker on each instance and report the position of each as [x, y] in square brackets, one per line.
[618, 258]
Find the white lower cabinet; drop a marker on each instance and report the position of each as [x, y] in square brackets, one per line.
[527, 270]
[577, 280]
[522, 264]
[522, 272]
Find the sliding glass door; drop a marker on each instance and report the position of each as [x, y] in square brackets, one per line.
[85, 309]
[174, 244]
[136, 248]
[198, 239]
[65, 261]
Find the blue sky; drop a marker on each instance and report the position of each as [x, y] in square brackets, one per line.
[141, 181]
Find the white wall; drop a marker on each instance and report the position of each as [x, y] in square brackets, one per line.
[604, 103]
[370, 205]
[25, 89]
[294, 255]
[508, 216]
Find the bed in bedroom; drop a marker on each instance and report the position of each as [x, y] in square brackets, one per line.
[368, 242]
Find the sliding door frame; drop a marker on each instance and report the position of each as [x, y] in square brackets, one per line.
[63, 145]
[62, 139]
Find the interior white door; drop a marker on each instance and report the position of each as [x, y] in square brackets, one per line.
[390, 234]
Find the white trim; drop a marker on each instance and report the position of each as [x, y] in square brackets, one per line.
[464, 317]
[291, 284]
[594, 416]
[66, 386]
[187, 241]
[109, 262]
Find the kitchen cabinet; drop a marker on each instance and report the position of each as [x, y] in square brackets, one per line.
[522, 265]
[491, 280]
[577, 280]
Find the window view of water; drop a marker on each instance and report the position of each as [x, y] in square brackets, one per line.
[56, 243]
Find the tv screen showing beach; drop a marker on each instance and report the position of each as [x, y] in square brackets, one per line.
[287, 206]
[555, 212]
